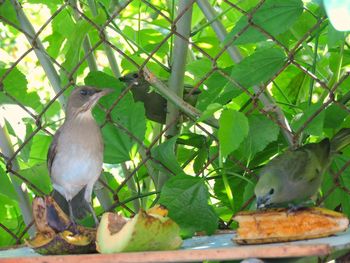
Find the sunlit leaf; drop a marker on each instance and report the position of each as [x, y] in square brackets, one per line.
[187, 199]
[39, 176]
[233, 129]
[258, 67]
[165, 154]
[274, 16]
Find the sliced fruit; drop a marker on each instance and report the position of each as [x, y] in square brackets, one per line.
[158, 210]
[56, 234]
[62, 244]
[39, 240]
[144, 232]
[279, 225]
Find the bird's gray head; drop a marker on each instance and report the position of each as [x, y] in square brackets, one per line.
[84, 98]
[134, 78]
[268, 190]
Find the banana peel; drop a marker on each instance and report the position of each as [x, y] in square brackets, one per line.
[146, 231]
[281, 225]
[56, 234]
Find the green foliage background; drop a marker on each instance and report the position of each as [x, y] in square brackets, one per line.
[298, 56]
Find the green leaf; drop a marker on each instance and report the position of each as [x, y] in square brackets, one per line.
[296, 89]
[117, 145]
[187, 199]
[100, 79]
[335, 37]
[7, 11]
[165, 154]
[15, 84]
[274, 16]
[39, 176]
[192, 139]
[233, 128]
[72, 48]
[39, 149]
[200, 160]
[6, 186]
[337, 197]
[25, 152]
[335, 116]
[262, 131]
[209, 111]
[259, 67]
[237, 186]
[10, 216]
[313, 127]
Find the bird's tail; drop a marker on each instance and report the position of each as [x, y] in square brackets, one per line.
[80, 206]
[340, 140]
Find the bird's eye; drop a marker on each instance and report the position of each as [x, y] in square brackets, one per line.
[135, 75]
[84, 92]
[271, 191]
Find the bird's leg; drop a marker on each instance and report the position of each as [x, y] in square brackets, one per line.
[93, 214]
[87, 197]
[293, 207]
[73, 224]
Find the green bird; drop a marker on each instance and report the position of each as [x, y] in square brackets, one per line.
[296, 175]
[155, 104]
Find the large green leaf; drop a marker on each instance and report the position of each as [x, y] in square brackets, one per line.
[262, 131]
[25, 152]
[10, 217]
[335, 116]
[6, 186]
[72, 48]
[7, 11]
[274, 16]
[338, 197]
[233, 129]
[314, 123]
[15, 84]
[39, 149]
[63, 28]
[165, 154]
[258, 67]
[218, 91]
[187, 199]
[39, 176]
[237, 186]
[296, 89]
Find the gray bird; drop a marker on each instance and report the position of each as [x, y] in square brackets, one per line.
[296, 175]
[155, 104]
[75, 155]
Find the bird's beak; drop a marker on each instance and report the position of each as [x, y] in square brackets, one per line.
[262, 201]
[98, 94]
[102, 92]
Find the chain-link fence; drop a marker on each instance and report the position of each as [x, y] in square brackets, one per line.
[291, 74]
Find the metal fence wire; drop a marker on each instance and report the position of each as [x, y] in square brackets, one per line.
[107, 40]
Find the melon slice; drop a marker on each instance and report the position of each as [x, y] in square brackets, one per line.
[144, 232]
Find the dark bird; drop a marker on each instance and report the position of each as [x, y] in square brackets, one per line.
[155, 104]
[76, 154]
[296, 175]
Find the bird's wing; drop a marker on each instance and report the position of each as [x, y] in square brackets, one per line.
[296, 165]
[52, 150]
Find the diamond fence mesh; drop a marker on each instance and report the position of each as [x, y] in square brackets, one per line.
[230, 51]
